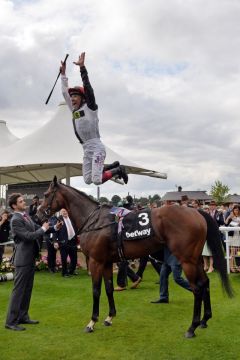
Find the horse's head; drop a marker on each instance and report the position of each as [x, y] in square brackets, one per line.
[52, 202]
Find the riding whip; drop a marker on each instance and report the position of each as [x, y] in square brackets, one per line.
[64, 62]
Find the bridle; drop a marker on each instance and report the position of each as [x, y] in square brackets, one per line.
[47, 212]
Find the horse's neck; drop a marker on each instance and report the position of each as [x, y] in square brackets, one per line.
[79, 207]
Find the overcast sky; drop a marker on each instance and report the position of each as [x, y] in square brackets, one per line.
[166, 76]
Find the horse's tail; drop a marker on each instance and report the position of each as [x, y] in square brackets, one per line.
[215, 245]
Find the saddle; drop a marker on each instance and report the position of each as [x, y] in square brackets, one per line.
[133, 225]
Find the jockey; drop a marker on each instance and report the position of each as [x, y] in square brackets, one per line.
[81, 101]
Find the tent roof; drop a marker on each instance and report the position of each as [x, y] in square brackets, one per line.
[6, 137]
[53, 150]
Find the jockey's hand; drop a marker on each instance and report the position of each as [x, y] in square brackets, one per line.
[81, 60]
[63, 68]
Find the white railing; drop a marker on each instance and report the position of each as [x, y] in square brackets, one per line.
[225, 230]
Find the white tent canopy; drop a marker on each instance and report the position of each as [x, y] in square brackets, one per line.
[6, 137]
[52, 150]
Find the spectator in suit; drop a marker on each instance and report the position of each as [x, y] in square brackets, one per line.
[67, 241]
[51, 244]
[4, 231]
[34, 207]
[218, 217]
[215, 214]
[26, 235]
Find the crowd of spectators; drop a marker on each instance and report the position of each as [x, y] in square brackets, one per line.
[225, 214]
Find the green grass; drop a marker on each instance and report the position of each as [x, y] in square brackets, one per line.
[140, 331]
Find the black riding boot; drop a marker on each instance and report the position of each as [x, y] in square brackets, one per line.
[111, 166]
[121, 172]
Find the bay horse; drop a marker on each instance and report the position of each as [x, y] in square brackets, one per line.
[184, 230]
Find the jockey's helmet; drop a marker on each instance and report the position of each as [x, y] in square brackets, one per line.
[77, 90]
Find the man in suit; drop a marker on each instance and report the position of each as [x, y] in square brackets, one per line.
[215, 214]
[34, 207]
[67, 241]
[51, 242]
[26, 235]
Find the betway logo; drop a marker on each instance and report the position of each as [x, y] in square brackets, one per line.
[138, 233]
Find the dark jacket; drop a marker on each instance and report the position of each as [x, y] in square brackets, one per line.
[27, 236]
[4, 231]
[62, 234]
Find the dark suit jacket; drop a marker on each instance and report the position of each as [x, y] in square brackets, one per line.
[27, 236]
[4, 231]
[62, 234]
[218, 217]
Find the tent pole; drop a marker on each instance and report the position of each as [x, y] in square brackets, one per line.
[98, 192]
[68, 175]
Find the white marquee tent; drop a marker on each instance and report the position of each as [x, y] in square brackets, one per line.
[6, 137]
[51, 150]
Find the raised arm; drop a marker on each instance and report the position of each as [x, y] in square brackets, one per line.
[88, 90]
[64, 82]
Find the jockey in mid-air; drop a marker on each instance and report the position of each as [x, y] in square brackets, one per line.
[81, 101]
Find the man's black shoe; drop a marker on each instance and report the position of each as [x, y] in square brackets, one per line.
[14, 327]
[52, 271]
[66, 275]
[160, 301]
[29, 321]
[73, 273]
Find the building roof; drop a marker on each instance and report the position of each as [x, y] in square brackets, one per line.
[192, 195]
[233, 198]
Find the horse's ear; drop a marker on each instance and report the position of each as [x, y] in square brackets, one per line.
[55, 182]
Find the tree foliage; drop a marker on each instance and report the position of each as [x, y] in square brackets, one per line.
[219, 192]
[103, 200]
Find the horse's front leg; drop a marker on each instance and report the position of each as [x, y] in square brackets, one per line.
[96, 270]
[207, 305]
[108, 279]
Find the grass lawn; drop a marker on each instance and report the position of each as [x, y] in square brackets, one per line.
[140, 331]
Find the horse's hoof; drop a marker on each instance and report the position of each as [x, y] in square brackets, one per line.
[107, 323]
[203, 326]
[189, 335]
[88, 329]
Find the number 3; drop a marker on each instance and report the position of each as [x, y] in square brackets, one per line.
[145, 219]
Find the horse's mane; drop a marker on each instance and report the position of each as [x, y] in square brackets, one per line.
[81, 193]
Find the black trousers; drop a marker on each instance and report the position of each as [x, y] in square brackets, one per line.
[71, 251]
[1, 253]
[125, 271]
[143, 263]
[51, 255]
